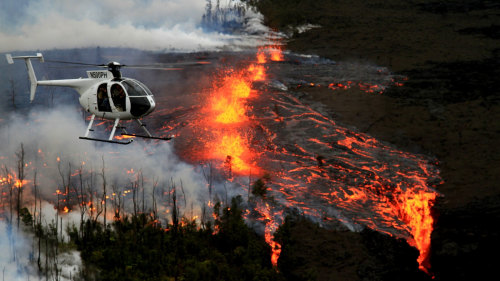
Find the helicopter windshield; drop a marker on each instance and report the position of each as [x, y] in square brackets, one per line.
[139, 96]
[135, 88]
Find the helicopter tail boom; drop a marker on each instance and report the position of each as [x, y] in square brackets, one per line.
[31, 72]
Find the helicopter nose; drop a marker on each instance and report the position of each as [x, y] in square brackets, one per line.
[152, 103]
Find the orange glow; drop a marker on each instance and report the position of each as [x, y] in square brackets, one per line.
[416, 208]
[261, 57]
[258, 72]
[233, 149]
[271, 227]
[276, 53]
[228, 100]
[122, 137]
[228, 118]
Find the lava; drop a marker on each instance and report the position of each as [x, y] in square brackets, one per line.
[328, 173]
[333, 175]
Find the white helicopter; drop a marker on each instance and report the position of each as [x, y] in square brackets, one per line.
[105, 94]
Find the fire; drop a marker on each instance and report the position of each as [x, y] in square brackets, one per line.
[122, 137]
[416, 208]
[276, 53]
[257, 71]
[261, 57]
[233, 148]
[13, 180]
[227, 118]
[228, 100]
[270, 227]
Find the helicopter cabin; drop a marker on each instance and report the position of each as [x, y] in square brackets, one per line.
[125, 95]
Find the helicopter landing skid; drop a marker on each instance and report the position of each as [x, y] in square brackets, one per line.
[124, 133]
[148, 134]
[147, 137]
[108, 141]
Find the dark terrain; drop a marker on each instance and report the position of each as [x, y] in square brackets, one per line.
[448, 107]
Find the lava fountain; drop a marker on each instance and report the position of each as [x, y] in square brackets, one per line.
[327, 172]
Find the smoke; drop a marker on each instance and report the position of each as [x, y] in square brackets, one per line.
[15, 250]
[53, 150]
[54, 153]
[142, 24]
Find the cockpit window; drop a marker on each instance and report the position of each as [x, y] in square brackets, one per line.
[118, 96]
[134, 88]
[144, 87]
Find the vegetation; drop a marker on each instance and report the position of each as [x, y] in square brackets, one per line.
[259, 188]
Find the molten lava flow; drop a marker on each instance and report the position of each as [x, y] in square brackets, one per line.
[337, 177]
[276, 53]
[270, 227]
[257, 72]
[228, 100]
[234, 150]
[261, 57]
[416, 209]
[227, 120]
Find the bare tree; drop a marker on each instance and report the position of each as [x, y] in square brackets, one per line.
[20, 180]
[103, 174]
[155, 208]
[209, 177]
[81, 197]
[117, 201]
[66, 180]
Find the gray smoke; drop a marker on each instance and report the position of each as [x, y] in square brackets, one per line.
[142, 24]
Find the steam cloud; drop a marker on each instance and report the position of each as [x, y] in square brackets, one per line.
[142, 24]
[49, 136]
[51, 144]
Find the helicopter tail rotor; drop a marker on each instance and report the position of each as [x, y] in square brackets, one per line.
[31, 72]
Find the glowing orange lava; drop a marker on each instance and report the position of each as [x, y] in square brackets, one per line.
[416, 208]
[227, 101]
[228, 118]
[276, 53]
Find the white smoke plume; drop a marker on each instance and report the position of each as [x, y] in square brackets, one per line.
[14, 254]
[142, 24]
[51, 145]
[52, 148]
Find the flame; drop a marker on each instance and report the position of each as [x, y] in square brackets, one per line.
[122, 137]
[228, 99]
[416, 209]
[270, 227]
[228, 117]
[11, 178]
[276, 53]
[233, 149]
[257, 71]
[261, 57]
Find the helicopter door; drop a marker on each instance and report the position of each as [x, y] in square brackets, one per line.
[103, 98]
[118, 96]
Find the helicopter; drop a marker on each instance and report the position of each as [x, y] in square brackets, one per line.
[105, 94]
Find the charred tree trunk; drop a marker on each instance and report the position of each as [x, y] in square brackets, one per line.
[19, 184]
[104, 190]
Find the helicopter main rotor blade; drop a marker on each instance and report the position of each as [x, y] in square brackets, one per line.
[77, 63]
[154, 68]
[169, 65]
